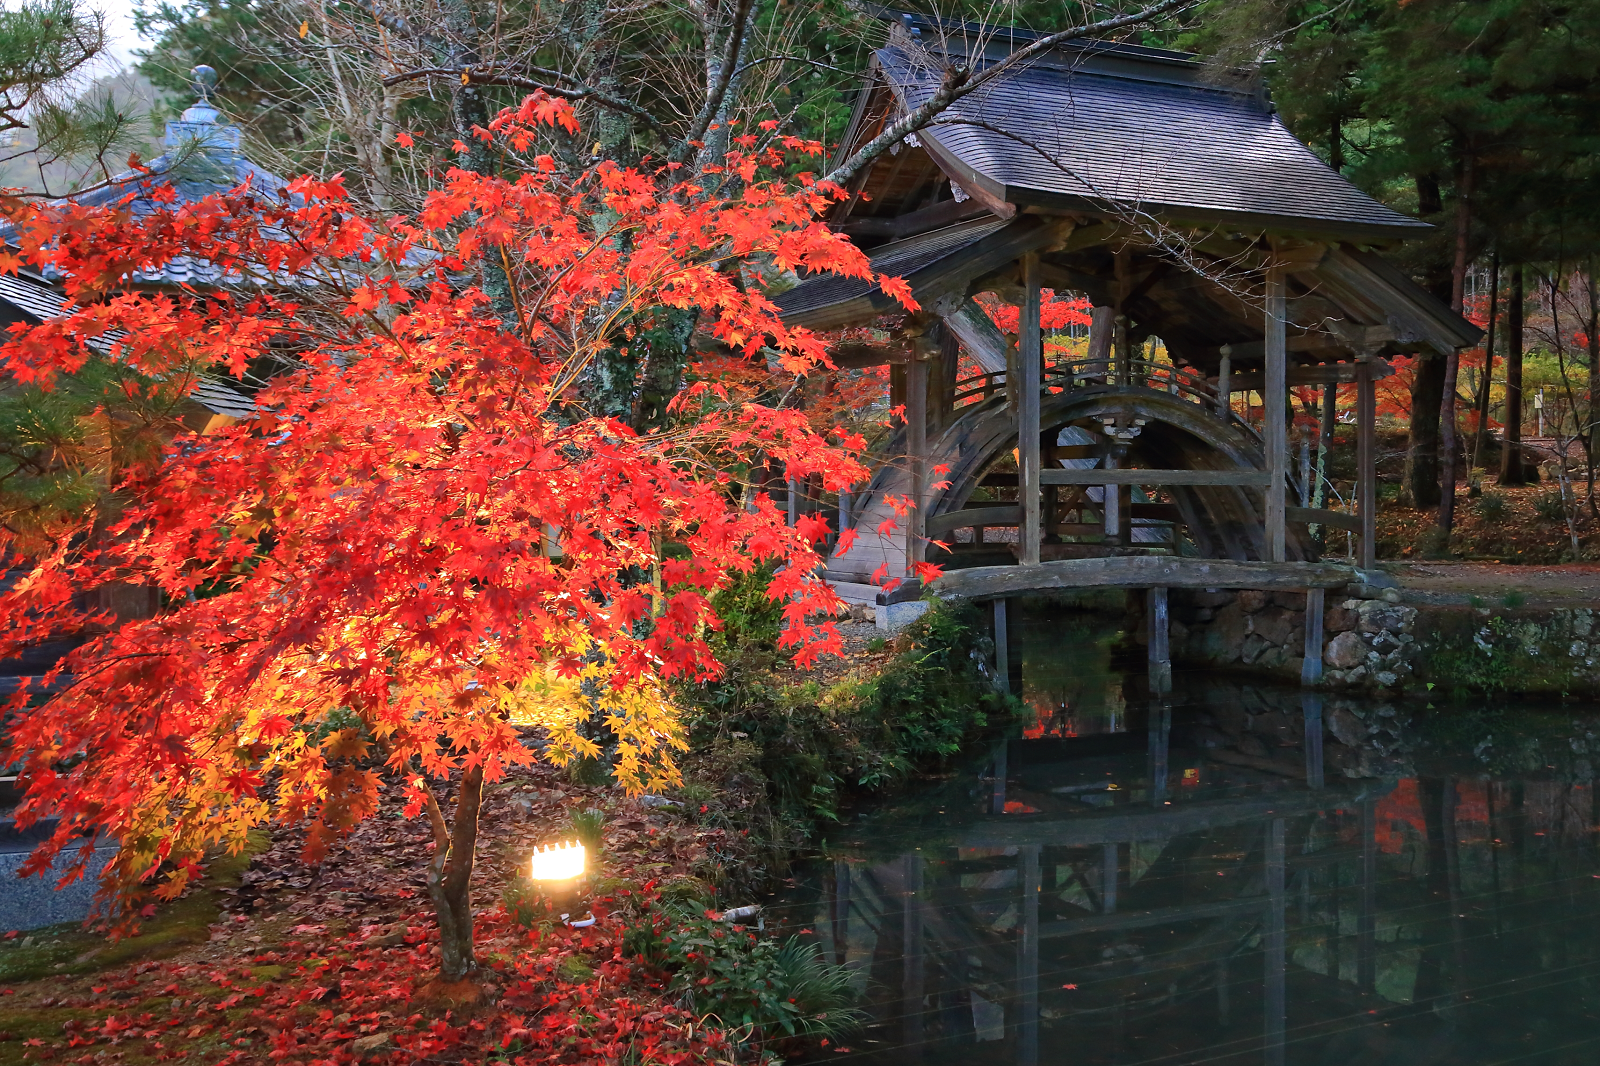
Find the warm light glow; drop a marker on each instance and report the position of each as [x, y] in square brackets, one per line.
[558, 863]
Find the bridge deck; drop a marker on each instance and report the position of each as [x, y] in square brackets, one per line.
[1134, 572]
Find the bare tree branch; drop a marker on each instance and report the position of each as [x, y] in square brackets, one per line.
[961, 80]
[722, 77]
[469, 76]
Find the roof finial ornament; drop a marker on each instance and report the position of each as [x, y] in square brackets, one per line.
[204, 80]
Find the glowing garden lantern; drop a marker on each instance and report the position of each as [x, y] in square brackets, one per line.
[561, 862]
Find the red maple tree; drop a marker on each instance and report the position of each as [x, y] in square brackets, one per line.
[421, 543]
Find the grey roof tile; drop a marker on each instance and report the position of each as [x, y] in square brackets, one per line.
[1072, 130]
[897, 260]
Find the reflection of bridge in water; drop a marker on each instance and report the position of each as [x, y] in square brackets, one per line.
[1141, 902]
[1195, 890]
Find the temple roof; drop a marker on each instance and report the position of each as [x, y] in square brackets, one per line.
[203, 158]
[1117, 130]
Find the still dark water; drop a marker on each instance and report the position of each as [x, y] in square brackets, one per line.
[1205, 879]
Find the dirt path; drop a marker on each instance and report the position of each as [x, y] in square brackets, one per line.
[1498, 584]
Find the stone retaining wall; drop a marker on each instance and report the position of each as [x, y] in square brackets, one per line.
[1377, 641]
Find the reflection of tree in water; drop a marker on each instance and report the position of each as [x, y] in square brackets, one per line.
[1414, 911]
[1067, 676]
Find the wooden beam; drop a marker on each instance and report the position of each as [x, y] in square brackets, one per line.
[1306, 342]
[1005, 514]
[1031, 358]
[1139, 571]
[1253, 478]
[981, 337]
[1319, 374]
[1276, 416]
[1137, 822]
[943, 213]
[1320, 516]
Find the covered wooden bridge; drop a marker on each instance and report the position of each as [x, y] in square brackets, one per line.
[1185, 211]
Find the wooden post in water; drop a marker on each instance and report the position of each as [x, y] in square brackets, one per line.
[1274, 943]
[1110, 874]
[1366, 464]
[914, 988]
[1311, 665]
[1275, 414]
[1028, 958]
[841, 911]
[1031, 357]
[1367, 914]
[1158, 747]
[1311, 708]
[1160, 626]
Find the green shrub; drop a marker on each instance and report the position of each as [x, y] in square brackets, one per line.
[1550, 506]
[1492, 507]
[771, 987]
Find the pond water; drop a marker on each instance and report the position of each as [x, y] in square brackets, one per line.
[1204, 879]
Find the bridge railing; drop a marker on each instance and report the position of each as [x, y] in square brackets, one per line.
[1084, 373]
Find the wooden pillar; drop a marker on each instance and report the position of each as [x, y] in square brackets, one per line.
[1048, 507]
[1157, 620]
[1274, 944]
[1031, 357]
[1110, 876]
[1111, 501]
[1102, 323]
[1225, 386]
[1028, 957]
[917, 453]
[1311, 665]
[1276, 400]
[949, 368]
[1366, 464]
[844, 510]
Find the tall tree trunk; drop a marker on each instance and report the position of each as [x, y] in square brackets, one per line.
[1591, 431]
[450, 877]
[1512, 469]
[1422, 459]
[1427, 385]
[1452, 358]
[1481, 437]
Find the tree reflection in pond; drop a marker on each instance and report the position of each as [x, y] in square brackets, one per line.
[1234, 874]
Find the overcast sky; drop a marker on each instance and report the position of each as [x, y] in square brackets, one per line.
[119, 27]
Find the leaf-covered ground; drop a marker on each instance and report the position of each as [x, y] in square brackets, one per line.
[1511, 524]
[334, 964]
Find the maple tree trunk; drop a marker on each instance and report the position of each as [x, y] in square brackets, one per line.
[1512, 470]
[450, 878]
[1452, 360]
[1481, 437]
